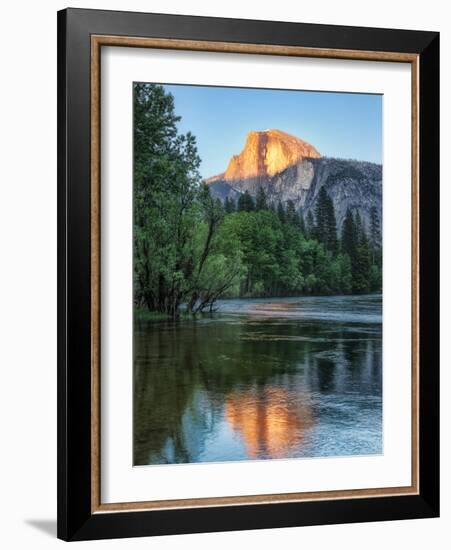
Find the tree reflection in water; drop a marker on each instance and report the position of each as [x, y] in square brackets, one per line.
[237, 387]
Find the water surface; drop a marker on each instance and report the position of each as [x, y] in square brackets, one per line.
[261, 379]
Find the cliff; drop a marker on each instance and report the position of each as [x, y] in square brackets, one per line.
[288, 168]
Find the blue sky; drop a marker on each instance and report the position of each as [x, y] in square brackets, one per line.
[338, 124]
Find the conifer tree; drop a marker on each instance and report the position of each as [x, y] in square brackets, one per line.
[226, 205]
[245, 202]
[321, 216]
[332, 242]
[354, 243]
[375, 237]
[361, 267]
[360, 228]
[229, 205]
[281, 212]
[291, 214]
[310, 228]
[261, 202]
[301, 223]
[349, 241]
[326, 224]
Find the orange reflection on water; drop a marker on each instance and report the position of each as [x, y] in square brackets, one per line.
[272, 421]
[272, 309]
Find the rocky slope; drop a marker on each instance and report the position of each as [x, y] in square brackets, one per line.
[291, 169]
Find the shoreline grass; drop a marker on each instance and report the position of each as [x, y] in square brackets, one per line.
[142, 314]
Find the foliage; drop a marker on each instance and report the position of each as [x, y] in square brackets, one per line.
[261, 202]
[245, 202]
[310, 225]
[326, 225]
[365, 256]
[191, 249]
[229, 205]
[375, 237]
[169, 205]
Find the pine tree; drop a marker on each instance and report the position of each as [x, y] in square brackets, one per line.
[375, 237]
[291, 214]
[360, 228]
[349, 241]
[361, 267]
[321, 216]
[375, 278]
[245, 202]
[310, 229]
[229, 205]
[301, 223]
[281, 212]
[261, 202]
[331, 225]
[345, 273]
[354, 243]
[326, 224]
[296, 220]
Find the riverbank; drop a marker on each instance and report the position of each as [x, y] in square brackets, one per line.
[290, 305]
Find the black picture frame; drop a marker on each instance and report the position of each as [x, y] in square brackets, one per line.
[75, 518]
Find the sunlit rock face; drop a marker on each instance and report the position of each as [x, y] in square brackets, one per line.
[267, 153]
[288, 168]
[270, 421]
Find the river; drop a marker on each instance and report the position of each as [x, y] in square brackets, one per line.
[260, 379]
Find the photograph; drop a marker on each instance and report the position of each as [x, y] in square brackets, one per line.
[248, 272]
[257, 274]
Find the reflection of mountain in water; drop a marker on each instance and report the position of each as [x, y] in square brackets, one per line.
[264, 420]
[239, 386]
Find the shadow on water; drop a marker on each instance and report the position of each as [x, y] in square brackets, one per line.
[244, 385]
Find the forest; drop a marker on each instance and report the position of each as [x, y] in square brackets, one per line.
[190, 249]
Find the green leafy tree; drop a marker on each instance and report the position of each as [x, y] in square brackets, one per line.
[190, 249]
[166, 180]
[222, 268]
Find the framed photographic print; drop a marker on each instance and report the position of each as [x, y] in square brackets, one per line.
[248, 274]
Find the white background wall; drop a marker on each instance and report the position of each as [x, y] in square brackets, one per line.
[28, 271]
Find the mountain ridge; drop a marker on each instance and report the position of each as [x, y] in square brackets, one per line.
[350, 183]
[266, 153]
